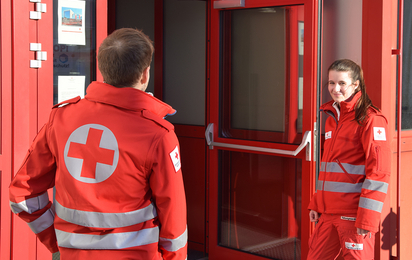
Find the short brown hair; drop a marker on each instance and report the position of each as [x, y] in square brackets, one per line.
[123, 56]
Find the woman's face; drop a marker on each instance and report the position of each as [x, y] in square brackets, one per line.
[340, 85]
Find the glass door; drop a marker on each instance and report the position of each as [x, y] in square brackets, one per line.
[262, 112]
[74, 48]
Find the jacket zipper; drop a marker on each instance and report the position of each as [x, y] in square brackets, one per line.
[343, 169]
[334, 135]
[377, 151]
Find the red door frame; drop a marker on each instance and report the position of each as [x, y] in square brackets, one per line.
[379, 61]
[26, 101]
[308, 175]
[6, 125]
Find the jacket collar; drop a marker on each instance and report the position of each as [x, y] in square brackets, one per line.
[127, 98]
[345, 106]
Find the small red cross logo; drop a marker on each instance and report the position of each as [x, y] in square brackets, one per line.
[379, 131]
[176, 155]
[91, 153]
[353, 245]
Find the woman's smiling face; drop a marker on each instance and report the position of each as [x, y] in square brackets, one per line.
[340, 85]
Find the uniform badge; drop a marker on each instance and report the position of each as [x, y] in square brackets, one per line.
[175, 156]
[328, 135]
[353, 246]
[379, 134]
[348, 218]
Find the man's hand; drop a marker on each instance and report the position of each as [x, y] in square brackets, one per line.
[313, 216]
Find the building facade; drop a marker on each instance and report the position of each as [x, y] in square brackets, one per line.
[247, 78]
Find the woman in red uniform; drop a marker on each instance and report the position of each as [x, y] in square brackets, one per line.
[355, 168]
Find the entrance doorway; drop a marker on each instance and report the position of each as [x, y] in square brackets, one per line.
[262, 114]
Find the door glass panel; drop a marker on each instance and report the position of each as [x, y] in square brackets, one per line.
[74, 48]
[407, 67]
[185, 60]
[260, 204]
[139, 14]
[262, 74]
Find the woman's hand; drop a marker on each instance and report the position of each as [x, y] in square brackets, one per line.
[313, 216]
[362, 231]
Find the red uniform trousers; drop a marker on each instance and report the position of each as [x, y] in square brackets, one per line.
[334, 233]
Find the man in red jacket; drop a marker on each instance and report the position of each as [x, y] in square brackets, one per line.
[115, 164]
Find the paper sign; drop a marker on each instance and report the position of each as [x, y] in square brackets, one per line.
[70, 87]
[71, 22]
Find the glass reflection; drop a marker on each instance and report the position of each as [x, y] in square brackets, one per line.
[260, 204]
[262, 74]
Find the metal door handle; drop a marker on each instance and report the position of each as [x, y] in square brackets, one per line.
[305, 142]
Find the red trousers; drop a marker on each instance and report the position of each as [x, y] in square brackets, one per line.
[334, 233]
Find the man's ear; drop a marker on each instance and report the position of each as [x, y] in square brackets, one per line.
[145, 76]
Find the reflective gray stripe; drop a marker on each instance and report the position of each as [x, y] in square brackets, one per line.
[349, 168]
[376, 185]
[173, 245]
[108, 241]
[339, 187]
[319, 185]
[342, 187]
[370, 204]
[322, 166]
[43, 222]
[354, 169]
[30, 205]
[105, 220]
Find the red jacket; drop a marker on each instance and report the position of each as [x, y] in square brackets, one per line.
[355, 167]
[115, 164]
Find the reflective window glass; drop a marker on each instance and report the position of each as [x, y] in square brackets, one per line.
[74, 48]
[260, 204]
[407, 67]
[262, 74]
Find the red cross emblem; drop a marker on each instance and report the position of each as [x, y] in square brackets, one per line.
[91, 153]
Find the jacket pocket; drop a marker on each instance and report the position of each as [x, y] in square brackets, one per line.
[382, 157]
[343, 169]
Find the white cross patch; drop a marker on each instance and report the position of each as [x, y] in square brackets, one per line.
[379, 134]
[353, 246]
[328, 135]
[91, 153]
[175, 156]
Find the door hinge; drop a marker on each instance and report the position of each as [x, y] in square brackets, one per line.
[40, 8]
[40, 55]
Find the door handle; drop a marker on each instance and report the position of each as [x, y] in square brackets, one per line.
[306, 141]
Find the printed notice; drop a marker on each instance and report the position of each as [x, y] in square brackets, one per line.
[70, 87]
[71, 22]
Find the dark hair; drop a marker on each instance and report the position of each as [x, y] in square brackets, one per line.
[123, 56]
[355, 73]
